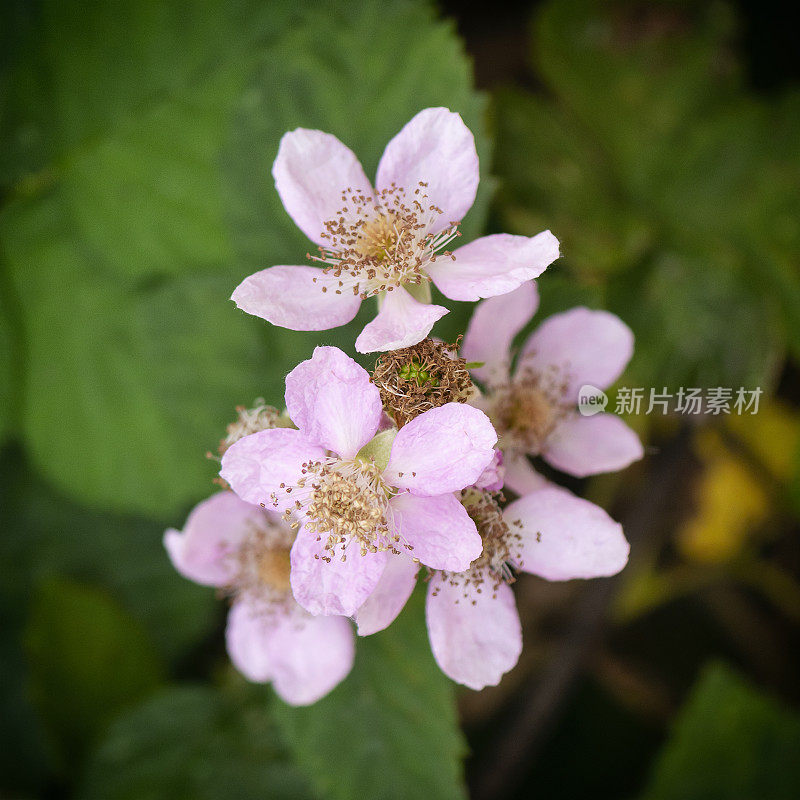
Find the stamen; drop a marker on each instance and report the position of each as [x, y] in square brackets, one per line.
[526, 410]
[342, 501]
[501, 558]
[261, 565]
[378, 243]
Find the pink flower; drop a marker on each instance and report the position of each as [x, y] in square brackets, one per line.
[385, 241]
[244, 550]
[357, 497]
[473, 624]
[534, 410]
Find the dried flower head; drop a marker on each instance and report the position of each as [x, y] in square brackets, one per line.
[424, 376]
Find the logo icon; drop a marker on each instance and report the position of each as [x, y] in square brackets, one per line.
[591, 400]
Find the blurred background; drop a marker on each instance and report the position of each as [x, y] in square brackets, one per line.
[659, 141]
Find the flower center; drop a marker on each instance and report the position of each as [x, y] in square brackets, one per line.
[377, 243]
[527, 409]
[347, 500]
[418, 378]
[262, 562]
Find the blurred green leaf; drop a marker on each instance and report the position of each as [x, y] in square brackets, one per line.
[89, 658]
[390, 729]
[192, 743]
[46, 535]
[730, 742]
[636, 73]
[152, 199]
[649, 162]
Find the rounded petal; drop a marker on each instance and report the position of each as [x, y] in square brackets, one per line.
[310, 656]
[246, 637]
[332, 586]
[390, 595]
[476, 637]
[586, 347]
[565, 537]
[311, 171]
[494, 324]
[331, 400]
[260, 467]
[442, 450]
[438, 529]
[520, 476]
[493, 265]
[298, 298]
[582, 446]
[401, 322]
[437, 149]
[212, 534]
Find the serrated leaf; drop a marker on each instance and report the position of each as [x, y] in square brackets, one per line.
[390, 729]
[192, 743]
[154, 199]
[88, 659]
[729, 742]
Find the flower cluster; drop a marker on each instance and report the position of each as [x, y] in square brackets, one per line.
[366, 484]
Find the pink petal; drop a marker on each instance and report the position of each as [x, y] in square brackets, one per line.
[493, 265]
[442, 450]
[390, 595]
[520, 476]
[331, 400]
[439, 530]
[246, 636]
[494, 324]
[438, 149]
[587, 347]
[310, 656]
[311, 171]
[401, 322]
[584, 446]
[493, 477]
[260, 467]
[335, 586]
[565, 537]
[298, 298]
[212, 534]
[475, 639]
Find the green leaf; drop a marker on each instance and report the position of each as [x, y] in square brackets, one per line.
[89, 658]
[45, 535]
[729, 742]
[192, 743]
[554, 176]
[150, 198]
[390, 729]
[635, 75]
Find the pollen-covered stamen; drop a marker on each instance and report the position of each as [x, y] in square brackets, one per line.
[501, 557]
[526, 410]
[418, 378]
[342, 501]
[376, 243]
[261, 564]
